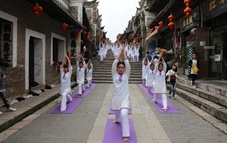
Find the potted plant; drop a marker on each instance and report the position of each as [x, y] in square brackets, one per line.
[183, 52]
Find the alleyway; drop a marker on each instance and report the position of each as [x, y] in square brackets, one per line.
[87, 123]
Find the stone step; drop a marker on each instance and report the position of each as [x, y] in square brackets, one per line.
[220, 90]
[109, 73]
[109, 68]
[110, 78]
[110, 81]
[218, 99]
[211, 108]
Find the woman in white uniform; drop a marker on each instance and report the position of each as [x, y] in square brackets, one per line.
[137, 48]
[151, 77]
[81, 66]
[160, 82]
[89, 73]
[121, 100]
[65, 87]
[101, 52]
[133, 54]
[145, 69]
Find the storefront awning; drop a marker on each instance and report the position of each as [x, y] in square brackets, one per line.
[157, 32]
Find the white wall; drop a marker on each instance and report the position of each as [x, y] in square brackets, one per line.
[12, 19]
[40, 48]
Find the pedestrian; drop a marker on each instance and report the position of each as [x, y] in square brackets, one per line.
[151, 76]
[101, 52]
[137, 48]
[65, 87]
[172, 77]
[120, 100]
[81, 66]
[194, 65]
[89, 73]
[160, 82]
[2, 90]
[144, 69]
[133, 54]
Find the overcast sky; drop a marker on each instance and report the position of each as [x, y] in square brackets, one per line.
[116, 14]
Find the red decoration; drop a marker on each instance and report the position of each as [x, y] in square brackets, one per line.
[76, 34]
[156, 27]
[187, 10]
[171, 25]
[151, 30]
[160, 23]
[37, 9]
[64, 26]
[170, 17]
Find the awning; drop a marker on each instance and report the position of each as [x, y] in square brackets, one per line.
[156, 32]
[125, 35]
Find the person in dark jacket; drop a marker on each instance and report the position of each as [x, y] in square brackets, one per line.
[2, 95]
[194, 64]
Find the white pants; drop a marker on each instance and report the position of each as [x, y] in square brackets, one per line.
[81, 88]
[65, 98]
[132, 58]
[122, 116]
[101, 57]
[136, 58]
[89, 83]
[164, 100]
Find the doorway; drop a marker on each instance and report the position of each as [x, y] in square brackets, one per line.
[34, 58]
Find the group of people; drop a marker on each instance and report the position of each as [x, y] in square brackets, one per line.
[66, 72]
[132, 51]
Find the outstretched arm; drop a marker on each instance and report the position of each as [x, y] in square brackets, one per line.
[69, 62]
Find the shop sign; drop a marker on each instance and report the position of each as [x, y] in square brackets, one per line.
[190, 22]
[208, 47]
[213, 8]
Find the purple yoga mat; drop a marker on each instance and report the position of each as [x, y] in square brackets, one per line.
[146, 91]
[86, 92]
[71, 106]
[113, 133]
[171, 109]
[112, 112]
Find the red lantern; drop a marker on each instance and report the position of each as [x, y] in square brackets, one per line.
[85, 28]
[151, 30]
[187, 11]
[64, 26]
[160, 23]
[187, 1]
[171, 25]
[76, 34]
[170, 17]
[37, 9]
[156, 27]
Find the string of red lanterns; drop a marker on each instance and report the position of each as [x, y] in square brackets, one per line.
[171, 24]
[160, 23]
[37, 9]
[187, 10]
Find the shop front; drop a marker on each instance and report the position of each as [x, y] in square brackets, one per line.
[215, 17]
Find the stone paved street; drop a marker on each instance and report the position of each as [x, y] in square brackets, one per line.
[87, 123]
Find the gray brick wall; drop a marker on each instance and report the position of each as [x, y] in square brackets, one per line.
[15, 84]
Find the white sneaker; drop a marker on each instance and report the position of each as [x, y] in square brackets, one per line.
[12, 109]
[1, 113]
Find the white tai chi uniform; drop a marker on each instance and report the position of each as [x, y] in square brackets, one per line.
[133, 54]
[65, 88]
[121, 100]
[137, 54]
[89, 75]
[150, 79]
[117, 50]
[145, 69]
[129, 51]
[101, 53]
[160, 84]
[80, 77]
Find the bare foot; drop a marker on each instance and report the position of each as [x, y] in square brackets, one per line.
[79, 95]
[115, 122]
[62, 110]
[165, 110]
[156, 102]
[126, 139]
